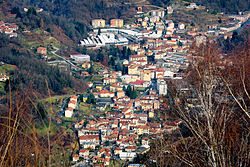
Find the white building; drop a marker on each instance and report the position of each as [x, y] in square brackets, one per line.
[170, 9]
[69, 112]
[127, 155]
[80, 58]
[3, 78]
[104, 39]
[160, 13]
[162, 87]
[181, 26]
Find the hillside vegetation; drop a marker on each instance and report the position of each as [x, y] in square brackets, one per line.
[226, 6]
[33, 73]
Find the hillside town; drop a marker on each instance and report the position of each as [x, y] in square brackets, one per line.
[8, 28]
[129, 100]
[123, 110]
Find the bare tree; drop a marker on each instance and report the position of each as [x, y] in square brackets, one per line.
[214, 110]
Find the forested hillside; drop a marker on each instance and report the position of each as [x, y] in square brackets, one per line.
[32, 73]
[227, 6]
[67, 17]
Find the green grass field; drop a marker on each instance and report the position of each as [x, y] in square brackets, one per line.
[5, 68]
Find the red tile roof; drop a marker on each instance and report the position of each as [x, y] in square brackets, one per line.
[105, 91]
[83, 150]
[135, 56]
[137, 82]
[41, 48]
[89, 137]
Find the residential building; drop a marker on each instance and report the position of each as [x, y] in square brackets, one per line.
[106, 93]
[96, 23]
[162, 87]
[69, 112]
[118, 23]
[89, 141]
[181, 26]
[170, 9]
[160, 13]
[84, 153]
[127, 155]
[42, 50]
[3, 78]
[75, 157]
[137, 57]
[80, 58]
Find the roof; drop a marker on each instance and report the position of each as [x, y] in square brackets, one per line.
[75, 155]
[74, 97]
[131, 147]
[89, 137]
[134, 56]
[70, 109]
[83, 150]
[41, 48]
[72, 102]
[137, 82]
[98, 20]
[160, 70]
[118, 148]
[116, 19]
[104, 91]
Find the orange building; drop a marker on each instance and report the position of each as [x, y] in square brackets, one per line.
[42, 50]
[116, 23]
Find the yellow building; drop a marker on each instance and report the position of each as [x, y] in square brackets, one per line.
[133, 69]
[144, 23]
[135, 78]
[85, 98]
[120, 94]
[86, 65]
[142, 129]
[116, 23]
[134, 47]
[138, 57]
[99, 87]
[114, 88]
[151, 114]
[145, 75]
[96, 23]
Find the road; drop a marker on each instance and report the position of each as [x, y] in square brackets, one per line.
[80, 164]
[133, 3]
[136, 4]
[59, 96]
[66, 60]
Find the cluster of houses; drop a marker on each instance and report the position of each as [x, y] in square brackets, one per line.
[118, 136]
[119, 34]
[125, 131]
[72, 106]
[128, 125]
[153, 27]
[8, 28]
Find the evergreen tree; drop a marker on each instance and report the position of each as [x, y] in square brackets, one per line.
[88, 100]
[124, 89]
[129, 91]
[93, 100]
[91, 69]
[133, 94]
[118, 67]
[124, 70]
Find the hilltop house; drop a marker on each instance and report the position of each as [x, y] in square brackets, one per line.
[42, 50]
[89, 141]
